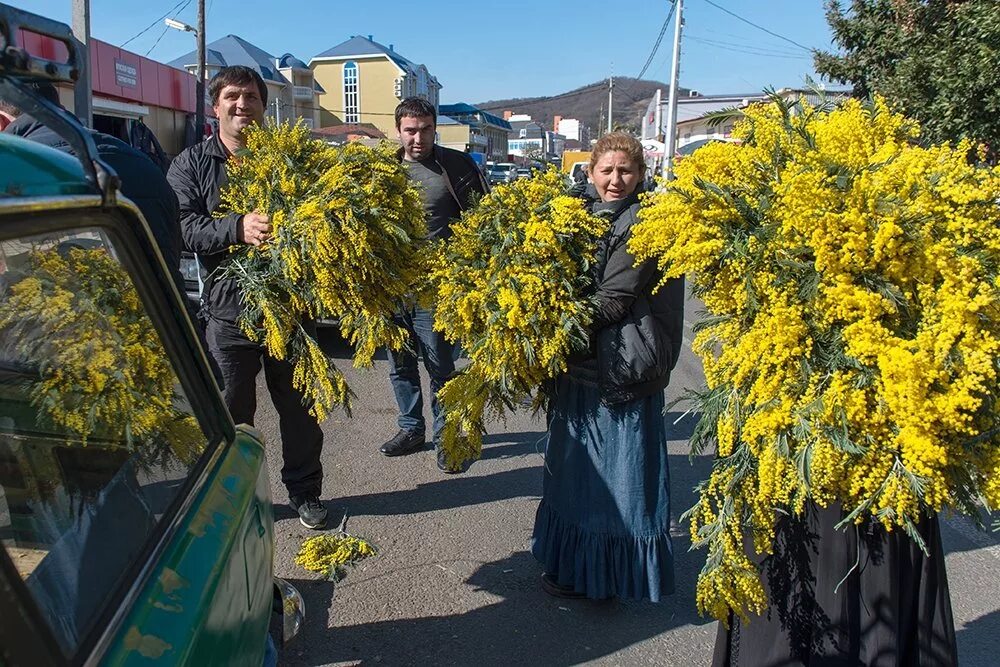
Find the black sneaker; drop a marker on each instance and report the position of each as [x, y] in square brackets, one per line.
[403, 442]
[312, 512]
[443, 466]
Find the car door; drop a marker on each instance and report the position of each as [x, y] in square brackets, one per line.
[135, 520]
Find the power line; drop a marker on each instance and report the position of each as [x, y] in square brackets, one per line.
[144, 30]
[782, 51]
[652, 54]
[746, 50]
[157, 40]
[759, 27]
[188, 2]
[659, 40]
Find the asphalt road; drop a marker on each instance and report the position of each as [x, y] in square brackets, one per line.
[453, 582]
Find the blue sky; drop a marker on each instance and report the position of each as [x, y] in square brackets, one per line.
[493, 50]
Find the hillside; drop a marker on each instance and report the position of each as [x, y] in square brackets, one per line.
[586, 103]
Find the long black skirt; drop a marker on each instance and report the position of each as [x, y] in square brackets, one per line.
[860, 596]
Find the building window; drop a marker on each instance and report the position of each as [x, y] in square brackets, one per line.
[351, 114]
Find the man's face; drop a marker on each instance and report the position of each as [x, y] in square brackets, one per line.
[416, 134]
[238, 108]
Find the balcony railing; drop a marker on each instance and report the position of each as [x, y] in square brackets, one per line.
[302, 92]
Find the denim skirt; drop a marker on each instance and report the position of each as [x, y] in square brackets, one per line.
[603, 524]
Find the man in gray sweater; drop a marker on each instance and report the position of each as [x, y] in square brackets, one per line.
[449, 182]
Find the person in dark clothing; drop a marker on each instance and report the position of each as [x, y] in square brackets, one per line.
[141, 180]
[602, 528]
[449, 182]
[841, 597]
[141, 138]
[197, 175]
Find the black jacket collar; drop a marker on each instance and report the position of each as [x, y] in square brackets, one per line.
[214, 147]
[614, 208]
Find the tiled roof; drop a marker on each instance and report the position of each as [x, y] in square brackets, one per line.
[288, 60]
[463, 108]
[233, 50]
[362, 46]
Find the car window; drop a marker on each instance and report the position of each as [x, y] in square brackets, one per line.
[96, 435]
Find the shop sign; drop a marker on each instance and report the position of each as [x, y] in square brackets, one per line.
[126, 76]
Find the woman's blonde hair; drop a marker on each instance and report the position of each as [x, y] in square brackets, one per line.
[619, 141]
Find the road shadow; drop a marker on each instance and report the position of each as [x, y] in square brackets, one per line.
[524, 627]
[446, 493]
[977, 641]
[679, 426]
[509, 445]
[519, 624]
[466, 490]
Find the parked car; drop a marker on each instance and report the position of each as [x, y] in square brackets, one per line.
[525, 172]
[136, 523]
[502, 172]
[578, 172]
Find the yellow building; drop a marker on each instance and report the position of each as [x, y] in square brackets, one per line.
[452, 134]
[363, 82]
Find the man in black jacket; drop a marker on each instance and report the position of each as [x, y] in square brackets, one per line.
[197, 175]
[449, 182]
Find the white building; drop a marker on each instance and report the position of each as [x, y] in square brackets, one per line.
[569, 128]
[692, 124]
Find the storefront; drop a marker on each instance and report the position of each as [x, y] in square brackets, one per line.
[129, 89]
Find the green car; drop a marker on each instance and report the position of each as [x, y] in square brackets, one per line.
[136, 522]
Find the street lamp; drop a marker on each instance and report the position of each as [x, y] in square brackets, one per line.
[177, 25]
[199, 35]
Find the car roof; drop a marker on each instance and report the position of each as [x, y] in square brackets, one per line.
[29, 169]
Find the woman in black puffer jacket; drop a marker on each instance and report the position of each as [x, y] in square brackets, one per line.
[602, 527]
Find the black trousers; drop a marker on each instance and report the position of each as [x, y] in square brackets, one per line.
[240, 361]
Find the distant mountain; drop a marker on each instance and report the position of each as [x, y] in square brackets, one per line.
[586, 103]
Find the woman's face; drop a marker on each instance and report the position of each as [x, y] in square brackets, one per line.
[615, 176]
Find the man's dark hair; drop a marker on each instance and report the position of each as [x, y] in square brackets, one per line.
[40, 89]
[236, 75]
[415, 107]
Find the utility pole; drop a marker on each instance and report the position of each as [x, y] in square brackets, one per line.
[611, 93]
[82, 90]
[199, 89]
[658, 114]
[671, 138]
